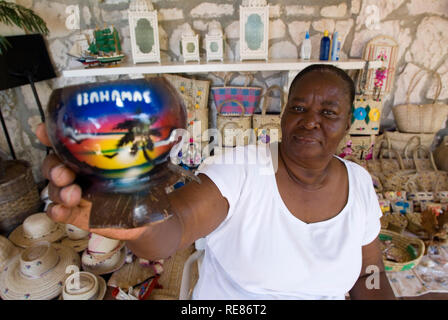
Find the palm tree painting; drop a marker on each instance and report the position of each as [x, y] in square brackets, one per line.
[139, 133]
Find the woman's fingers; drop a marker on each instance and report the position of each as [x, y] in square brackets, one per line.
[41, 134]
[68, 196]
[77, 216]
[55, 171]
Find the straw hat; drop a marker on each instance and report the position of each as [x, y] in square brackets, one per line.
[90, 287]
[7, 251]
[38, 273]
[77, 238]
[103, 255]
[37, 227]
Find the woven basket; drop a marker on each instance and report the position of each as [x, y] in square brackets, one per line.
[19, 195]
[171, 277]
[430, 180]
[396, 180]
[263, 123]
[426, 118]
[409, 163]
[248, 96]
[410, 250]
[398, 141]
[233, 128]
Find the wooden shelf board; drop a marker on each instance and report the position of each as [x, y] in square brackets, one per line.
[128, 68]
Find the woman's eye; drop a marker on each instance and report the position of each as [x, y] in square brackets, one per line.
[298, 108]
[329, 113]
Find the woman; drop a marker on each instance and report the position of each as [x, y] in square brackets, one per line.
[303, 229]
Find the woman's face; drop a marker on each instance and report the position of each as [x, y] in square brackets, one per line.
[316, 117]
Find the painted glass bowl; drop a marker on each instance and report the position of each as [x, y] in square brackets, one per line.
[115, 133]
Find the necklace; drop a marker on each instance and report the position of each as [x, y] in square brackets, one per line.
[297, 180]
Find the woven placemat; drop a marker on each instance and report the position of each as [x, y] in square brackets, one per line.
[171, 276]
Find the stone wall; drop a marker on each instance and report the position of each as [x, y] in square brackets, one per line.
[420, 27]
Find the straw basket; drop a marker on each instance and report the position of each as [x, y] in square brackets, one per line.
[427, 118]
[409, 250]
[171, 277]
[19, 196]
[432, 179]
[263, 123]
[233, 127]
[248, 96]
[398, 141]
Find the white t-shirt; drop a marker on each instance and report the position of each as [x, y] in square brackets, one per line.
[262, 251]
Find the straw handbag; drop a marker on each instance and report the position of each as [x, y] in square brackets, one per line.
[430, 180]
[263, 123]
[398, 180]
[233, 128]
[249, 97]
[409, 163]
[19, 195]
[398, 140]
[195, 95]
[408, 251]
[426, 118]
[381, 167]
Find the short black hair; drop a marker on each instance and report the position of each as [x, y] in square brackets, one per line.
[327, 68]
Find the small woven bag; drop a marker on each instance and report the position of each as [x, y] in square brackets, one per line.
[264, 123]
[234, 128]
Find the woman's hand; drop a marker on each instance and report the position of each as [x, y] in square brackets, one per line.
[68, 206]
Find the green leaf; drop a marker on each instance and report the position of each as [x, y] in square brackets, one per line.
[367, 119]
[4, 44]
[13, 14]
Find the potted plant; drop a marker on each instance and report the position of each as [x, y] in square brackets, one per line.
[13, 14]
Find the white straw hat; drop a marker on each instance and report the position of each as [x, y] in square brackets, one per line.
[77, 238]
[37, 227]
[103, 255]
[84, 286]
[7, 251]
[38, 273]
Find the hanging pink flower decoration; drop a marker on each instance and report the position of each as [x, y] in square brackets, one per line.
[381, 73]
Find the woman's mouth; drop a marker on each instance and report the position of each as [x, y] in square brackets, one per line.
[305, 140]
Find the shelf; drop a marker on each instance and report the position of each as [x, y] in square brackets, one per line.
[128, 68]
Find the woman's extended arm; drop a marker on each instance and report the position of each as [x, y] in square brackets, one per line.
[197, 209]
[372, 282]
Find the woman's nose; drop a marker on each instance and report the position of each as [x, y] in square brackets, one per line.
[311, 121]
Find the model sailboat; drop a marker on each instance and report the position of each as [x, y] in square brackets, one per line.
[105, 48]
